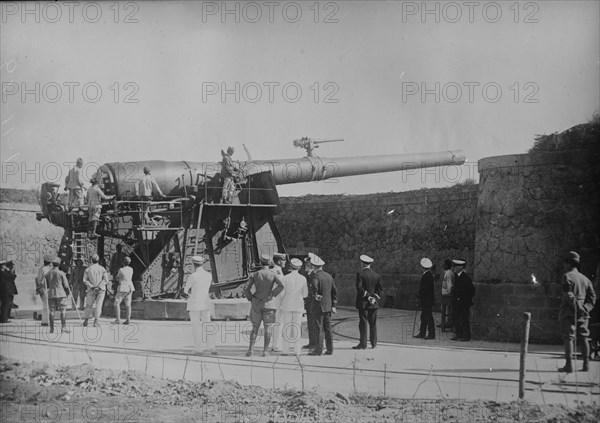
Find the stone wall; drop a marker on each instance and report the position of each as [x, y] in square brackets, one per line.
[24, 239]
[396, 229]
[531, 210]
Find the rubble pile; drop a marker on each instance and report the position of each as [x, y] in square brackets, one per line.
[158, 400]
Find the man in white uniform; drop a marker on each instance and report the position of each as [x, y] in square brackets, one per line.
[124, 290]
[42, 289]
[292, 307]
[197, 287]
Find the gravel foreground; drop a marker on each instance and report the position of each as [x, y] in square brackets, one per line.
[39, 392]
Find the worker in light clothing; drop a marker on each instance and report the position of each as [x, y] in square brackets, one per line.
[292, 306]
[199, 306]
[95, 279]
[146, 189]
[58, 294]
[278, 264]
[42, 289]
[267, 285]
[124, 290]
[94, 203]
[447, 285]
[74, 183]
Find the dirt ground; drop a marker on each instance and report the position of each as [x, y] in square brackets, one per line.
[43, 393]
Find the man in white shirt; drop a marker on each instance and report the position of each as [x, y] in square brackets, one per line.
[279, 263]
[124, 290]
[447, 285]
[292, 307]
[94, 203]
[58, 293]
[42, 289]
[95, 279]
[146, 188]
[199, 305]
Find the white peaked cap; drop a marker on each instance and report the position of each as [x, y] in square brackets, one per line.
[426, 263]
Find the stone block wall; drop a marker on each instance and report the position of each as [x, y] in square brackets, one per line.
[24, 239]
[532, 209]
[396, 229]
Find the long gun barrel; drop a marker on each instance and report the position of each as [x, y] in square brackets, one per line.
[308, 169]
[121, 178]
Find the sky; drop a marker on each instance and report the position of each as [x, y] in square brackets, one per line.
[174, 81]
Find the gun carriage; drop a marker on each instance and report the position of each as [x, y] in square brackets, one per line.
[192, 219]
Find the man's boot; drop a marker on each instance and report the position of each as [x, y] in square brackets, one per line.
[585, 351]
[85, 322]
[568, 368]
[63, 324]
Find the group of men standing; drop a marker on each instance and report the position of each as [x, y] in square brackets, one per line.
[278, 302]
[457, 298]
[88, 287]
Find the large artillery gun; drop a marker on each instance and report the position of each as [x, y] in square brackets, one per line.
[192, 220]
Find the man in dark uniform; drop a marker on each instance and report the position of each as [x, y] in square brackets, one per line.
[426, 298]
[462, 300]
[309, 302]
[577, 301]
[324, 301]
[263, 310]
[8, 289]
[77, 284]
[368, 293]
